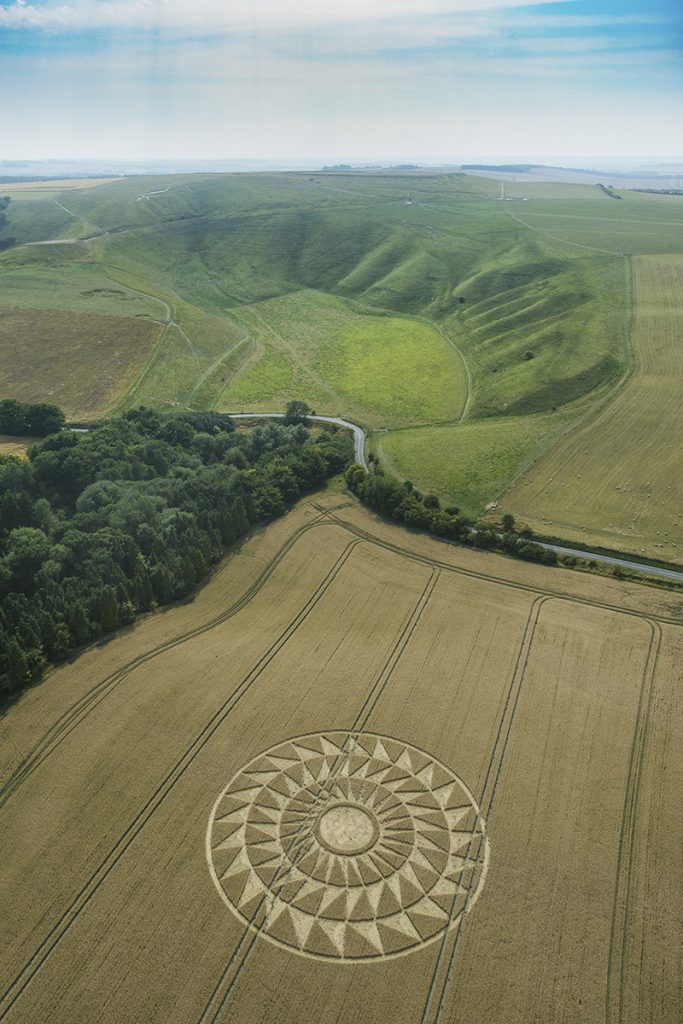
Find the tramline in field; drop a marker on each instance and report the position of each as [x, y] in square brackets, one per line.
[362, 773]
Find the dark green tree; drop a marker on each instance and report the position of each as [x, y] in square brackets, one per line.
[297, 412]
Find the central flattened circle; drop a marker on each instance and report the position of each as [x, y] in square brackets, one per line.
[347, 829]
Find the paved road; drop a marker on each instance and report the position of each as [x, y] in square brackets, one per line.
[359, 442]
[651, 570]
[358, 434]
[359, 446]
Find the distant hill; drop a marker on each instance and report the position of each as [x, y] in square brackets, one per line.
[505, 168]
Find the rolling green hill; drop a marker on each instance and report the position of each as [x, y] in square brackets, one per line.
[418, 302]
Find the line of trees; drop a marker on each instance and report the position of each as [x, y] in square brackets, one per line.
[98, 527]
[403, 503]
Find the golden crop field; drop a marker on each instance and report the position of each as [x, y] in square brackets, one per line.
[617, 481]
[80, 361]
[365, 776]
[14, 445]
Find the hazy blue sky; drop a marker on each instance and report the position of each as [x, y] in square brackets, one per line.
[344, 80]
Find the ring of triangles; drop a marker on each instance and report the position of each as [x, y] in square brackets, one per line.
[424, 870]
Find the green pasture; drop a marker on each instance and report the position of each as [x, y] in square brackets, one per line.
[468, 464]
[384, 370]
[67, 278]
[637, 223]
[360, 293]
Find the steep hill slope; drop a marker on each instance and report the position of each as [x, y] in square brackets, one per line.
[407, 300]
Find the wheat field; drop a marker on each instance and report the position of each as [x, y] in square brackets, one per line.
[364, 776]
[617, 480]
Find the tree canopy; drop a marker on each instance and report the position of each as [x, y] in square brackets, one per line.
[22, 419]
[97, 527]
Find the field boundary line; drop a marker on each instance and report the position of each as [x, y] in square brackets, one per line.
[473, 574]
[23, 979]
[151, 363]
[500, 744]
[81, 708]
[377, 689]
[617, 968]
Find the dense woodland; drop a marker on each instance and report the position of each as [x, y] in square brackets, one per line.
[98, 527]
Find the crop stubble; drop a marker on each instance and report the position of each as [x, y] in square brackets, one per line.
[521, 680]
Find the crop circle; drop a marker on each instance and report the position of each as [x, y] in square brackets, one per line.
[347, 846]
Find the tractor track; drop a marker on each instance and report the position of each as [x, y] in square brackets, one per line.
[225, 986]
[31, 968]
[445, 961]
[78, 711]
[621, 908]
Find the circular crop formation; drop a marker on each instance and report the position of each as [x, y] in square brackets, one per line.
[348, 846]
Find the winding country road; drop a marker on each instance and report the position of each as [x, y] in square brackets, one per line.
[359, 445]
[358, 433]
[359, 448]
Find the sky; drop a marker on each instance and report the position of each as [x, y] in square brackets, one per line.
[425, 81]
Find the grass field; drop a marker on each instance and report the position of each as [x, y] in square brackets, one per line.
[468, 464]
[58, 277]
[617, 481]
[635, 224]
[416, 299]
[468, 800]
[81, 363]
[314, 347]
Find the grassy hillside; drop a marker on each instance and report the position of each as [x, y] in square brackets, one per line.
[539, 333]
[382, 370]
[416, 300]
[68, 277]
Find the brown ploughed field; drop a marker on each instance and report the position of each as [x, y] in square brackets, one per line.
[79, 361]
[364, 777]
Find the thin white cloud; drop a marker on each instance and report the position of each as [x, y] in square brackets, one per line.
[350, 78]
[536, 20]
[233, 15]
[233, 69]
